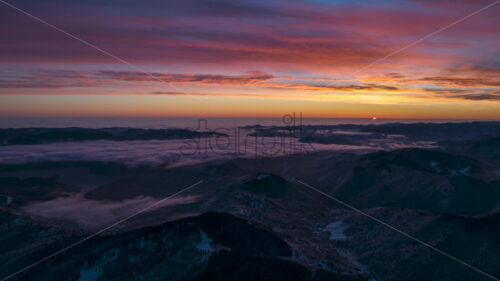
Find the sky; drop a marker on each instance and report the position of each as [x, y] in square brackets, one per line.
[227, 58]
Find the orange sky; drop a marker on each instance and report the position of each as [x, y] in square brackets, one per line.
[252, 59]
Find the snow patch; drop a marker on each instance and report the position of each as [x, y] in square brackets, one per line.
[205, 243]
[90, 274]
[336, 230]
[435, 166]
[111, 255]
[465, 171]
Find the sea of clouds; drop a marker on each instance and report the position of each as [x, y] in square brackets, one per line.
[161, 152]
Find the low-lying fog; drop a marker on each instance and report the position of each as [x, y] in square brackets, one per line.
[92, 214]
[179, 152]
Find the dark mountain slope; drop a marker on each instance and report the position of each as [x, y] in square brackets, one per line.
[18, 191]
[430, 180]
[474, 240]
[438, 131]
[212, 246]
[484, 148]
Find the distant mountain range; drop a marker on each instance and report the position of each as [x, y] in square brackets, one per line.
[349, 134]
[26, 136]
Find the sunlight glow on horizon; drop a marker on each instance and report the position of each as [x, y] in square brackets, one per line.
[303, 58]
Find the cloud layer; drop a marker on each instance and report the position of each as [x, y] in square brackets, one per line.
[474, 84]
[278, 49]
